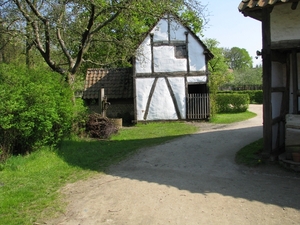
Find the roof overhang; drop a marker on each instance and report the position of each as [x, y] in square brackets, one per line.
[254, 8]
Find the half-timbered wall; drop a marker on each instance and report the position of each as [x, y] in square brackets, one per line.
[167, 61]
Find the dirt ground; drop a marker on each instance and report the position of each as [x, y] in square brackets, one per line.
[190, 180]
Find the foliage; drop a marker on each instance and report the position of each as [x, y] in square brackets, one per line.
[226, 118]
[237, 58]
[103, 33]
[219, 72]
[35, 108]
[255, 96]
[229, 103]
[248, 77]
[74, 160]
[250, 154]
[101, 127]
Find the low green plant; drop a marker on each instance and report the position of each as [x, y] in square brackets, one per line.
[255, 96]
[232, 103]
[250, 154]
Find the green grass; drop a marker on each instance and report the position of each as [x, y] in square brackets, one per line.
[250, 154]
[226, 118]
[29, 184]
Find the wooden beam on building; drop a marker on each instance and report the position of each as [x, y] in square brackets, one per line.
[295, 81]
[267, 82]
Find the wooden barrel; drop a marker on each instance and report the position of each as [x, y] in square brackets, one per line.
[118, 122]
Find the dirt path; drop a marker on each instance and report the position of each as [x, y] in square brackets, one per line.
[191, 180]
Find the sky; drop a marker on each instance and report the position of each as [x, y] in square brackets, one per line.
[231, 28]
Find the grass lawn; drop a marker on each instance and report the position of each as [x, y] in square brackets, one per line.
[250, 154]
[226, 118]
[29, 184]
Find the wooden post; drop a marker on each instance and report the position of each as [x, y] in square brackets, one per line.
[267, 83]
[295, 81]
[101, 98]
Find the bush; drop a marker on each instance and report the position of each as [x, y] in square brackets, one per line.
[256, 96]
[36, 109]
[232, 103]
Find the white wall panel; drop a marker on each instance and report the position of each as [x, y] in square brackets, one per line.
[161, 106]
[178, 87]
[285, 23]
[143, 57]
[195, 79]
[143, 87]
[196, 56]
[165, 61]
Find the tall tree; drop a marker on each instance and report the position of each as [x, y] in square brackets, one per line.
[237, 58]
[68, 33]
[218, 68]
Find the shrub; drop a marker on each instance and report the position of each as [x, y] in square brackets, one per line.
[232, 103]
[256, 96]
[35, 108]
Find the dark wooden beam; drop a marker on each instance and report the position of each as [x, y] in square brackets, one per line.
[152, 53]
[295, 81]
[187, 52]
[172, 74]
[267, 81]
[173, 98]
[150, 98]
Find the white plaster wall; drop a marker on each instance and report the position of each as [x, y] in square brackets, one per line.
[199, 79]
[143, 87]
[196, 56]
[285, 23]
[165, 60]
[276, 103]
[143, 57]
[177, 30]
[178, 87]
[160, 31]
[278, 74]
[161, 106]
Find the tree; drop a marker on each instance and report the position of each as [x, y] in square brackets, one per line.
[71, 32]
[237, 58]
[218, 68]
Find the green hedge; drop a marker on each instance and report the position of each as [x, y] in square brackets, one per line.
[232, 103]
[256, 96]
[36, 109]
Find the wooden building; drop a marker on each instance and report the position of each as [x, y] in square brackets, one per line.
[169, 76]
[280, 21]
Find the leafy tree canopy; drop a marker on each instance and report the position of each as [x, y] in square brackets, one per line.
[237, 58]
[70, 33]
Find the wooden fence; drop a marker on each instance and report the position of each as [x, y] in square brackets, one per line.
[198, 106]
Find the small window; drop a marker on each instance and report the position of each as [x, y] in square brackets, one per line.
[180, 52]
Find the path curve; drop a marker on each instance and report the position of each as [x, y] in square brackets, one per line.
[190, 180]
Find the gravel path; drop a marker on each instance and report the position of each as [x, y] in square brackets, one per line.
[190, 180]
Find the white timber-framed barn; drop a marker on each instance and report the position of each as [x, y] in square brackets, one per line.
[170, 74]
[168, 81]
[280, 21]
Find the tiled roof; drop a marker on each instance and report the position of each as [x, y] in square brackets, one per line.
[117, 83]
[258, 4]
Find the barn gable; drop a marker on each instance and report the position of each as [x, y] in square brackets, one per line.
[168, 62]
